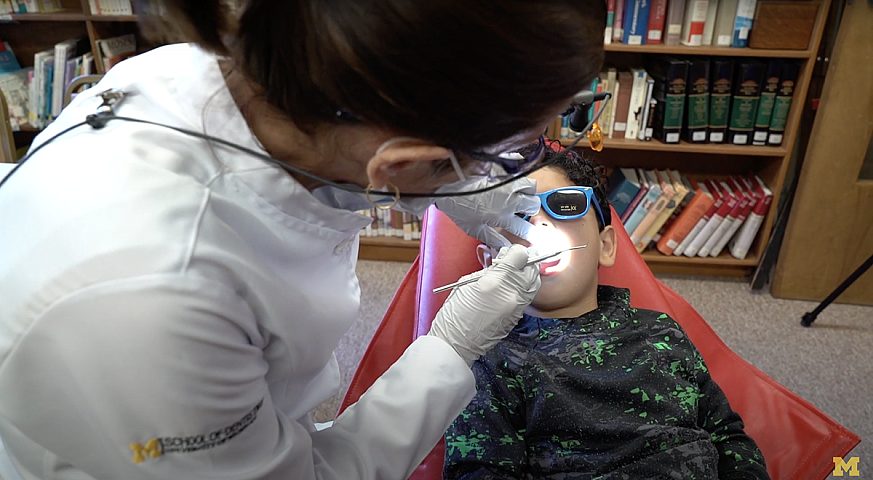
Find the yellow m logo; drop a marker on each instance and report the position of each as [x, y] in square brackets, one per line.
[152, 448]
[841, 466]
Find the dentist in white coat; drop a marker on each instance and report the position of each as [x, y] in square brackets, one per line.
[169, 304]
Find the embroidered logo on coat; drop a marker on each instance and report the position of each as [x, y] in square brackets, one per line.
[159, 446]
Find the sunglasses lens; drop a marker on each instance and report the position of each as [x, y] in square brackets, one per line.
[567, 202]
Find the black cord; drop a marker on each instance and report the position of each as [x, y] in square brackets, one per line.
[99, 120]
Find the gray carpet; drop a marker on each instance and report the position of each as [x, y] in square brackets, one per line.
[830, 364]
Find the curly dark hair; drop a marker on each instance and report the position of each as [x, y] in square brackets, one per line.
[582, 171]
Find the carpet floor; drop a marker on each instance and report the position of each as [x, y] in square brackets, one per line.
[830, 364]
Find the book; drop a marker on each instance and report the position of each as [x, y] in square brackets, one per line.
[15, 88]
[725, 18]
[744, 104]
[64, 51]
[670, 76]
[657, 20]
[655, 208]
[782, 102]
[734, 225]
[37, 93]
[743, 23]
[636, 21]
[113, 50]
[623, 187]
[697, 207]
[696, 120]
[644, 190]
[739, 245]
[769, 87]
[610, 21]
[653, 104]
[618, 24]
[653, 193]
[718, 200]
[729, 201]
[727, 221]
[608, 116]
[635, 106]
[622, 104]
[645, 132]
[8, 62]
[695, 20]
[709, 25]
[675, 17]
[676, 192]
[676, 178]
[721, 72]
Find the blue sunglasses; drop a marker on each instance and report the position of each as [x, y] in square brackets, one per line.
[567, 203]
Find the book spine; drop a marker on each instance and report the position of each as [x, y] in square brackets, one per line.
[684, 224]
[743, 23]
[739, 203]
[645, 121]
[719, 99]
[621, 191]
[675, 15]
[635, 107]
[640, 212]
[782, 102]
[751, 200]
[695, 21]
[697, 101]
[657, 20]
[709, 26]
[739, 246]
[671, 78]
[618, 25]
[728, 203]
[769, 88]
[744, 106]
[610, 22]
[637, 22]
[641, 194]
[724, 22]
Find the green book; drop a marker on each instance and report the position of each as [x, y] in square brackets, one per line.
[697, 101]
[744, 104]
[768, 98]
[670, 75]
[782, 103]
[720, 78]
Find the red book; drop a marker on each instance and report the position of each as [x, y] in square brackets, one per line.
[718, 199]
[610, 22]
[736, 221]
[617, 30]
[739, 245]
[728, 203]
[657, 18]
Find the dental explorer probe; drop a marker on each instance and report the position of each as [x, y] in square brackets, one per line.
[478, 275]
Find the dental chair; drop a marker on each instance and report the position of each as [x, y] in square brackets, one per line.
[798, 441]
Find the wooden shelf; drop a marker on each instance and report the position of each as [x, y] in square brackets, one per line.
[683, 146]
[388, 249]
[706, 51]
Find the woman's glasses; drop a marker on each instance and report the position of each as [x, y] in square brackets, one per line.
[514, 162]
[568, 203]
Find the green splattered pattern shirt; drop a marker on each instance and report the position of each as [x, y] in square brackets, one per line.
[618, 393]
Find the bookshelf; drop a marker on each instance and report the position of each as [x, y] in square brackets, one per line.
[29, 33]
[713, 160]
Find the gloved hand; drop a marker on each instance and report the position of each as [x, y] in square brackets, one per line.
[478, 315]
[479, 214]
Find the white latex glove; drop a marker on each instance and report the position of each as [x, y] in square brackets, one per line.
[478, 315]
[479, 214]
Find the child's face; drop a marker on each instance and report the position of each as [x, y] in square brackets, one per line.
[576, 284]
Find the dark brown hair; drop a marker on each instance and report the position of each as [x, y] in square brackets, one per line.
[464, 74]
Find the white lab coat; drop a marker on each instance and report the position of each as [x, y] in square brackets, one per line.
[169, 310]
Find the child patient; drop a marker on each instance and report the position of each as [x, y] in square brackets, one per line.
[586, 387]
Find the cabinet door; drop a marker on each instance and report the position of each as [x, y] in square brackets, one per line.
[830, 231]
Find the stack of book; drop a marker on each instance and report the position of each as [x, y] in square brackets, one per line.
[14, 82]
[54, 69]
[725, 23]
[29, 6]
[701, 100]
[678, 215]
[110, 7]
[391, 223]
